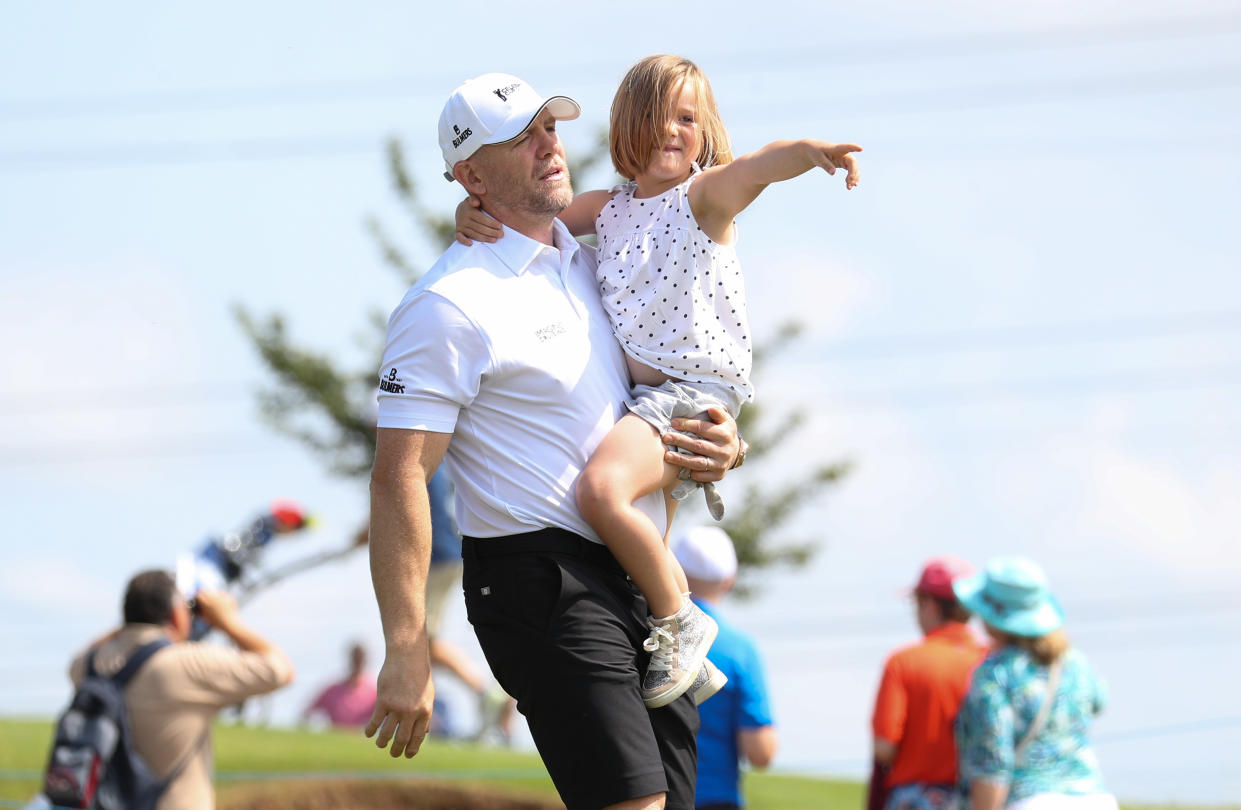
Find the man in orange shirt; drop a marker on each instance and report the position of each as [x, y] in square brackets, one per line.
[921, 690]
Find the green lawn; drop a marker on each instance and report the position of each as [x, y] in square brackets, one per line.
[244, 755]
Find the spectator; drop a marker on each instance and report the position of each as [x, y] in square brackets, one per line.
[915, 761]
[736, 724]
[1023, 731]
[174, 697]
[347, 703]
[495, 708]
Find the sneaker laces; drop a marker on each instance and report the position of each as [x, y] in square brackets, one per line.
[662, 647]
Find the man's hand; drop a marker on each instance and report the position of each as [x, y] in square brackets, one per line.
[403, 703]
[217, 608]
[715, 446]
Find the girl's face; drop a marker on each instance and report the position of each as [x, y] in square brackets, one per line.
[679, 142]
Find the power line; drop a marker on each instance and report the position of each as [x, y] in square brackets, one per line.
[163, 153]
[1030, 336]
[53, 456]
[1008, 337]
[840, 54]
[1074, 88]
[904, 102]
[1192, 727]
[1139, 382]
[173, 394]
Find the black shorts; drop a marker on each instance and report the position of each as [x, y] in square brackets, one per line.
[562, 629]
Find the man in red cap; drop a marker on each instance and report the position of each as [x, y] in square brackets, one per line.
[919, 695]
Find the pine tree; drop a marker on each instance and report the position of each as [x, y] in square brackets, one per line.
[330, 408]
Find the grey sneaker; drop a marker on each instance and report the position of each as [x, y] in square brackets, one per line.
[709, 681]
[678, 645]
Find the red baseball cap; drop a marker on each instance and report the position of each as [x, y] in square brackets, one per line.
[938, 575]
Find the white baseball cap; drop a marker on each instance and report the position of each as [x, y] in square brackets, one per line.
[706, 553]
[493, 108]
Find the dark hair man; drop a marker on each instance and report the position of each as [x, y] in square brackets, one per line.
[174, 697]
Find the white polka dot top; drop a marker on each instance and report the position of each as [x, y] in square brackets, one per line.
[675, 296]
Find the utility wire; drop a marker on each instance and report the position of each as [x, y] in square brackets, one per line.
[739, 60]
[904, 102]
[1008, 337]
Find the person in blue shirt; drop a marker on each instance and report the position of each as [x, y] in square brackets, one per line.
[736, 724]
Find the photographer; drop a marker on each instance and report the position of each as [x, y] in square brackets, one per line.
[175, 695]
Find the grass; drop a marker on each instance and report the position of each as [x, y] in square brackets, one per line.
[245, 755]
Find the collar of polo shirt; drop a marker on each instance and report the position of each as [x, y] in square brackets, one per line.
[517, 251]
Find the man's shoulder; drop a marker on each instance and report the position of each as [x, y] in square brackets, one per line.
[916, 654]
[201, 650]
[219, 668]
[457, 276]
[732, 642]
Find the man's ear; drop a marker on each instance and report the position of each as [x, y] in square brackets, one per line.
[467, 175]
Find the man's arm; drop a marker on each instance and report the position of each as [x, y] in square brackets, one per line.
[400, 549]
[224, 677]
[986, 795]
[884, 751]
[758, 745]
[219, 609]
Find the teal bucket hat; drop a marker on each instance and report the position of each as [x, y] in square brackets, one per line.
[1012, 595]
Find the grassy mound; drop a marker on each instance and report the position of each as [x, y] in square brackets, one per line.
[352, 795]
[277, 769]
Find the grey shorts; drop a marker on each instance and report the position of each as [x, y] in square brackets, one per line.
[678, 398]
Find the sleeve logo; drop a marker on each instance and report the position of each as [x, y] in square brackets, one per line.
[391, 383]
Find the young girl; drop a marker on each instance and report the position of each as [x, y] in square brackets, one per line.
[670, 282]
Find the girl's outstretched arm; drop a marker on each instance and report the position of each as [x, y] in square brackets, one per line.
[722, 192]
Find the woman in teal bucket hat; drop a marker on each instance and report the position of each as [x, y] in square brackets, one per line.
[1022, 732]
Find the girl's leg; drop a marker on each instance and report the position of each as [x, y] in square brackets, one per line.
[670, 507]
[626, 465]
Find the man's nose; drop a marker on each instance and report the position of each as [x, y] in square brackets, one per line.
[546, 142]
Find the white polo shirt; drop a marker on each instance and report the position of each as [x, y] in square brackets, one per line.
[507, 347]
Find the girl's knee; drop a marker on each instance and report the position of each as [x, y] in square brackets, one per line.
[594, 493]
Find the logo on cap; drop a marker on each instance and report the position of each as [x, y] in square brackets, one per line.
[504, 92]
[461, 136]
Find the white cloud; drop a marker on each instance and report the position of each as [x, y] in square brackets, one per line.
[1188, 526]
[56, 585]
[825, 297]
[113, 322]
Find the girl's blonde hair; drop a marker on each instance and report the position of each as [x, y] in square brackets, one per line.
[644, 104]
[1045, 649]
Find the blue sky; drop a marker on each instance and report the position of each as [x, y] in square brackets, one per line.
[1024, 327]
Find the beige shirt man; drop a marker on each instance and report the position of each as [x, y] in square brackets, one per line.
[175, 695]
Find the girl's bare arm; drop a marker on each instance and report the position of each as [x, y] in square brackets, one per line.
[722, 192]
[581, 214]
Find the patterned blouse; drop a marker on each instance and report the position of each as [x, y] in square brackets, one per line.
[1004, 696]
[675, 296]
